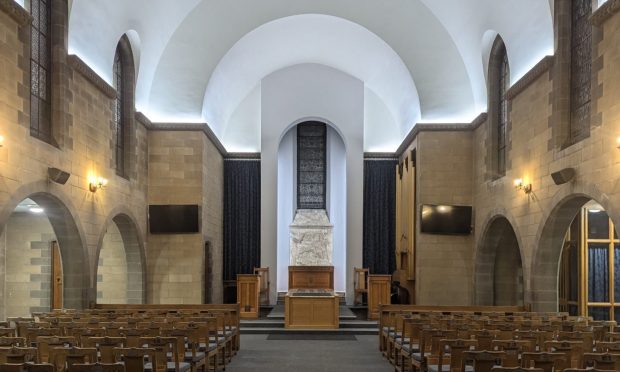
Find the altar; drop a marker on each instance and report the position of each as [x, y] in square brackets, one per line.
[311, 309]
[311, 302]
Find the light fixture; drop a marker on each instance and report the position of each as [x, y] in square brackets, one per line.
[1, 141]
[519, 185]
[36, 210]
[618, 142]
[95, 183]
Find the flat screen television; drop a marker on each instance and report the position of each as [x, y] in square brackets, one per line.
[174, 219]
[446, 219]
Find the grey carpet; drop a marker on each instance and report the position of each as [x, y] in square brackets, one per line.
[309, 337]
[257, 355]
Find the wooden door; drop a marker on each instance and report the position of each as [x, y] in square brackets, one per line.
[57, 282]
[378, 293]
[248, 290]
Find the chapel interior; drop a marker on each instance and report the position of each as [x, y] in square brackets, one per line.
[320, 185]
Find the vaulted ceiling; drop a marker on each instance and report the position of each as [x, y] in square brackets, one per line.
[420, 60]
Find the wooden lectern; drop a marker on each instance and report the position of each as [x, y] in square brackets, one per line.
[378, 293]
[248, 290]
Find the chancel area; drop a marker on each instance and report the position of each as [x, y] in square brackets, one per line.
[277, 185]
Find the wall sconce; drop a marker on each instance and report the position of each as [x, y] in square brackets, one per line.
[519, 185]
[617, 142]
[1, 141]
[95, 183]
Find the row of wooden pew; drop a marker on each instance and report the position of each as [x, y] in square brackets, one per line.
[434, 339]
[124, 338]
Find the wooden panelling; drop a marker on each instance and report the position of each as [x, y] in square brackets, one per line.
[311, 312]
[248, 291]
[378, 293]
[311, 277]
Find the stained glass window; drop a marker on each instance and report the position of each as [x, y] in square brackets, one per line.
[119, 125]
[311, 165]
[502, 112]
[40, 68]
[581, 68]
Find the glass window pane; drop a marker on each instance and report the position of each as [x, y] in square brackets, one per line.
[573, 310]
[599, 313]
[617, 314]
[617, 273]
[598, 272]
[598, 224]
[573, 293]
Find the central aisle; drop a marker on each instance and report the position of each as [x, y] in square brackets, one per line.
[357, 353]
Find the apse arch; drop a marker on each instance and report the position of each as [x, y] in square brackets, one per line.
[499, 270]
[121, 220]
[287, 41]
[565, 205]
[67, 227]
[336, 198]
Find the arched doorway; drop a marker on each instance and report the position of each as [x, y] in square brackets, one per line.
[499, 269]
[120, 264]
[589, 272]
[44, 263]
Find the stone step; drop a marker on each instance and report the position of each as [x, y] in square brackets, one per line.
[276, 323]
[339, 331]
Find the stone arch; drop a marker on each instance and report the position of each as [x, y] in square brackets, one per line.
[135, 252]
[69, 233]
[550, 237]
[500, 230]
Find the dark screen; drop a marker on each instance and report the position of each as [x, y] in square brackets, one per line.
[446, 219]
[173, 219]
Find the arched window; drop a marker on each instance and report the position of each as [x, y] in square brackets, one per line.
[580, 69]
[40, 70]
[499, 82]
[123, 105]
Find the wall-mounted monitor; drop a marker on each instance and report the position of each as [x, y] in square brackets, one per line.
[174, 219]
[446, 219]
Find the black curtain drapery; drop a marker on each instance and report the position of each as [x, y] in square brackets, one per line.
[241, 217]
[379, 216]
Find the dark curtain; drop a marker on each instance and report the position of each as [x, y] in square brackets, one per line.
[241, 217]
[379, 216]
[598, 273]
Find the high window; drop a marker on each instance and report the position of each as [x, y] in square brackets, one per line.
[40, 70]
[119, 117]
[580, 69]
[499, 82]
[124, 81]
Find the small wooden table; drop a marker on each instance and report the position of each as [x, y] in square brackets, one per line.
[311, 309]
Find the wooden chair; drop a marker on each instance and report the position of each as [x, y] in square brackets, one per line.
[483, 361]
[12, 341]
[451, 351]
[515, 369]
[263, 293]
[7, 332]
[573, 349]
[18, 354]
[608, 347]
[134, 358]
[589, 370]
[513, 350]
[64, 357]
[26, 367]
[602, 361]
[105, 346]
[46, 344]
[360, 284]
[165, 347]
[189, 354]
[97, 367]
[548, 362]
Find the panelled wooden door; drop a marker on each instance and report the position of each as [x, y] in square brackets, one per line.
[57, 284]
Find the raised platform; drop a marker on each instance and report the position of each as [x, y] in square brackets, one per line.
[274, 324]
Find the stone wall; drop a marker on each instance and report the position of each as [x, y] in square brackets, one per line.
[28, 264]
[443, 176]
[184, 168]
[83, 127]
[112, 269]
